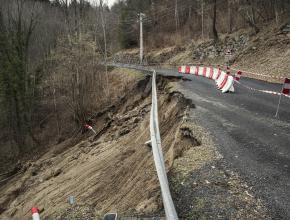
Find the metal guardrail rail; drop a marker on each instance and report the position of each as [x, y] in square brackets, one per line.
[170, 211]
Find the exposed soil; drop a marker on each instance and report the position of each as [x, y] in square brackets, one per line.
[113, 171]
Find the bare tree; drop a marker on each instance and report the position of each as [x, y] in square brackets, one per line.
[215, 34]
[176, 15]
[202, 19]
[248, 14]
[105, 43]
[276, 9]
[229, 17]
[19, 43]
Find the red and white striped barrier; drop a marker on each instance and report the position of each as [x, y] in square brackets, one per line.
[220, 79]
[216, 73]
[232, 68]
[286, 87]
[35, 213]
[200, 71]
[184, 69]
[193, 70]
[238, 75]
[223, 80]
[228, 70]
[285, 91]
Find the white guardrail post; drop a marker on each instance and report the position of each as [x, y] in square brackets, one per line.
[170, 211]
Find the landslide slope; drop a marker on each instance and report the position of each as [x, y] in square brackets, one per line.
[113, 171]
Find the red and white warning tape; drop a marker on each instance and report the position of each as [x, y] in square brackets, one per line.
[249, 72]
[258, 74]
[263, 91]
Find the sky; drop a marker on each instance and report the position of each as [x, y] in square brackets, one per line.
[110, 2]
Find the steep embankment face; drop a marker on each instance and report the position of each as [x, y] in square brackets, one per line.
[111, 171]
[114, 170]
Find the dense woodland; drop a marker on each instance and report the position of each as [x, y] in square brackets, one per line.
[31, 30]
[170, 22]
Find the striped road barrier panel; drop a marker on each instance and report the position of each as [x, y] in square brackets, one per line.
[286, 86]
[285, 91]
[238, 75]
[227, 84]
[169, 208]
[224, 81]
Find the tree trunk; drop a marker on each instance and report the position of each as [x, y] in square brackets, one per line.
[105, 45]
[252, 22]
[215, 33]
[276, 12]
[229, 17]
[76, 18]
[176, 16]
[202, 20]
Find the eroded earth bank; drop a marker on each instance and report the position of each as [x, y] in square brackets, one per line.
[113, 171]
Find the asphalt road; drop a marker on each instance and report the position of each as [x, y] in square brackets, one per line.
[252, 141]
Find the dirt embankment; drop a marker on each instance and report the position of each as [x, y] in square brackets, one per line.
[114, 171]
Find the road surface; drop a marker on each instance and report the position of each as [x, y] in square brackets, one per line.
[253, 142]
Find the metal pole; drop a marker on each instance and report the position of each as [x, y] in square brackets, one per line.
[176, 16]
[276, 115]
[141, 38]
